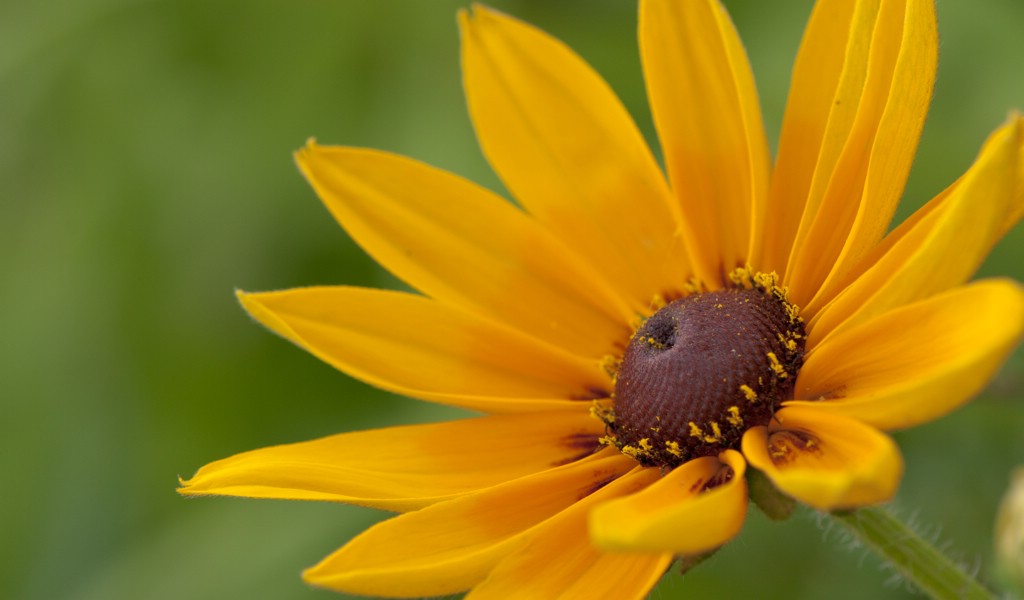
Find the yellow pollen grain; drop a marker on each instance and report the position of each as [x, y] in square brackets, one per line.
[742, 277]
[607, 440]
[645, 444]
[694, 286]
[650, 341]
[630, 451]
[734, 417]
[749, 392]
[789, 340]
[767, 281]
[717, 431]
[780, 372]
[602, 412]
[611, 365]
[673, 449]
[696, 431]
[777, 450]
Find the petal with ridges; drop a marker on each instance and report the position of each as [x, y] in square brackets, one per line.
[419, 347]
[825, 460]
[404, 468]
[809, 109]
[943, 248]
[826, 167]
[679, 513]
[449, 547]
[1015, 212]
[705, 109]
[916, 363]
[561, 562]
[894, 146]
[462, 244]
[851, 203]
[569, 152]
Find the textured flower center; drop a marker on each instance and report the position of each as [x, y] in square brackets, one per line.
[702, 370]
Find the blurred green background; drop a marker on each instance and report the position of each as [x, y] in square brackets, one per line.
[146, 172]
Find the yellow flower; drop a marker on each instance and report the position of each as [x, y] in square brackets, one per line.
[635, 341]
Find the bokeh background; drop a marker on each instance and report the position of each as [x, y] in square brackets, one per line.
[146, 172]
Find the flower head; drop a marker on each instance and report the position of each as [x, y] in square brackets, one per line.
[639, 343]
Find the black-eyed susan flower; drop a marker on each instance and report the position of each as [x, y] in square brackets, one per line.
[638, 343]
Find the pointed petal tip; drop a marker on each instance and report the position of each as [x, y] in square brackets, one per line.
[316, 577]
[247, 300]
[306, 157]
[183, 486]
[253, 304]
[310, 144]
[319, 576]
[476, 15]
[463, 19]
[483, 12]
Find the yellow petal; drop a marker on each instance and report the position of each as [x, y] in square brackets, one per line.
[561, 562]
[942, 248]
[811, 101]
[875, 120]
[461, 244]
[419, 347]
[696, 507]
[916, 363]
[825, 460]
[568, 151]
[449, 547]
[705, 108]
[404, 468]
[1015, 211]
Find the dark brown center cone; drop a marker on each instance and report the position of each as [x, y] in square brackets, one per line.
[701, 371]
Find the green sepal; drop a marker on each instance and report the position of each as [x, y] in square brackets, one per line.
[773, 503]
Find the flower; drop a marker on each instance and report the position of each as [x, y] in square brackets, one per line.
[638, 343]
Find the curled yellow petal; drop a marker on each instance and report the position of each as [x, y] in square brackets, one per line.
[825, 460]
[561, 561]
[696, 507]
